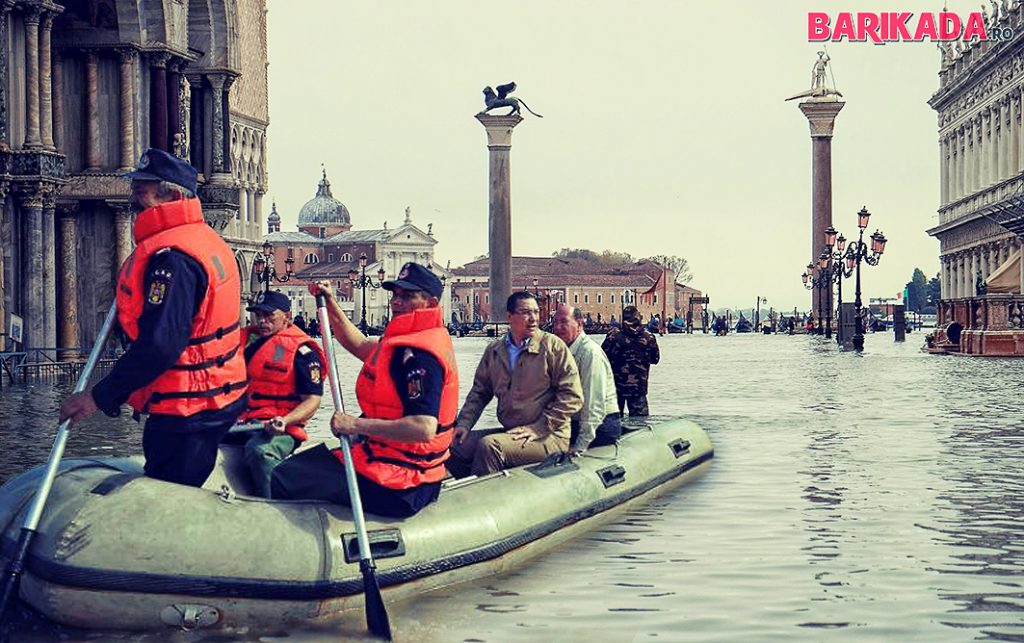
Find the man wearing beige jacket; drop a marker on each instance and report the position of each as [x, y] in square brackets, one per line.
[534, 377]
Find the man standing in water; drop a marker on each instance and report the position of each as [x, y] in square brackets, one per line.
[178, 297]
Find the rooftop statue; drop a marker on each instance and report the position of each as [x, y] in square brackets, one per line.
[494, 100]
[819, 86]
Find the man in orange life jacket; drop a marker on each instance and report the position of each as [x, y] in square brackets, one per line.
[285, 367]
[178, 297]
[408, 390]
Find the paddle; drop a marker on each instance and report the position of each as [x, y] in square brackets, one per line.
[249, 427]
[35, 511]
[376, 613]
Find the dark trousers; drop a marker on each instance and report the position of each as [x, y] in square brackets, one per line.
[316, 474]
[608, 432]
[637, 404]
[184, 457]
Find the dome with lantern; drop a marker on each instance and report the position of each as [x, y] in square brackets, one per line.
[324, 211]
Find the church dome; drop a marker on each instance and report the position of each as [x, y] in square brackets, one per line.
[324, 209]
[274, 216]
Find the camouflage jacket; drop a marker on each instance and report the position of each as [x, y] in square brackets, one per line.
[631, 353]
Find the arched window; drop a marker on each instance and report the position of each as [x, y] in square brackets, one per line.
[586, 299]
[576, 298]
[345, 258]
[312, 258]
[599, 298]
[323, 232]
[330, 257]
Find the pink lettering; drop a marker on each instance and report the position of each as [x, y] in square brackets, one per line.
[949, 26]
[975, 27]
[817, 26]
[899, 30]
[844, 27]
[926, 27]
[867, 27]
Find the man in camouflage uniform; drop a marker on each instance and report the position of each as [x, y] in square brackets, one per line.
[631, 349]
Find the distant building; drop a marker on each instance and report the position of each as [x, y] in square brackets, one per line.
[599, 290]
[325, 247]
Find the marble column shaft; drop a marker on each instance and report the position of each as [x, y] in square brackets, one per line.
[92, 112]
[197, 120]
[173, 103]
[69, 279]
[123, 240]
[5, 10]
[49, 273]
[158, 102]
[46, 82]
[217, 142]
[225, 97]
[58, 102]
[32, 17]
[499, 146]
[32, 299]
[126, 71]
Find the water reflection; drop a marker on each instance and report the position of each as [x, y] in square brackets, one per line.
[876, 496]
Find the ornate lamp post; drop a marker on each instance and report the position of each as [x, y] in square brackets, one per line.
[838, 256]
[818, 281]
[757, 313]
[859, 251]
[264, 270]
[361, 281]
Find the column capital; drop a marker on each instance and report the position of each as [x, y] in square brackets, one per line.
[67, 209]
[177, 65]
[32, 14]
[821, 116]
[30, 195]
[126, 54]
[159, 59]
[499, 129]
[46, 20]
[121, 208]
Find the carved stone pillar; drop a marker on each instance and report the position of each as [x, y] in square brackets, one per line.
[217, 142]
[175, 134]
[197, 124]
[46, 81]
[69, 279]
[961, 164]
[49, 269]
[31, 201]
[5, 9]
[92, 112]
[58, 102]
[1014, 128]
[127, 113]
[124, 242]
[225, 96]
[943, 277]
[944, 170]
[258, 207]
[158, 101]
[1005, 149]
[32, 16]
[499, 145]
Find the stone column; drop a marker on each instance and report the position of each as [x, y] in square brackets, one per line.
[124, 242]
[32, 16]
[32, 267]
[5, 9]
[1018, 100]
[49, 270]
[174, 131]
[258, 211]
[821, 116]
[1014, 129]
[158, 101]
[92, 112]
[46, 81]
[961, 164]
[197, 124]
[1005, 148]
[58, 102]
[944, 170]
[993, 145]
[127, 111]
[69, 280]
[217, 142]
[943, 277]
[499, 145]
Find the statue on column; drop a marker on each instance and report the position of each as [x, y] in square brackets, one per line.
[501, 98]
[819, 83]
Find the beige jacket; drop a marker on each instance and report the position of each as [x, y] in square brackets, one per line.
[543, 392]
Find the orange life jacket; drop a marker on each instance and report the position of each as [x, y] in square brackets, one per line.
[271, 380]
[210, 373]
[403, 465]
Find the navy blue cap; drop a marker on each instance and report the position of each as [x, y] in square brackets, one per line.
[158, 165]
[268, 302]
[413, 276]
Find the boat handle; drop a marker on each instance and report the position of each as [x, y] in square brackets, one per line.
[613, 475]
[384, 543]
[679, 447]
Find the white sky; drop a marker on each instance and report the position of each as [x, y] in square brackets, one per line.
[665, 129]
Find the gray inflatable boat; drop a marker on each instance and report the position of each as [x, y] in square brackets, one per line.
[118, 550]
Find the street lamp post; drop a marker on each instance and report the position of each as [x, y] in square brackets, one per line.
[859, 252]
[361, 281]
[757, 313]
[264, 270]
[841, 254]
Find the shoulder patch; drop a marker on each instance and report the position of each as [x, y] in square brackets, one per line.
[305, 350]
[315, 375]
[157, 292]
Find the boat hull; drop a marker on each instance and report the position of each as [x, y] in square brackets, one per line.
[118, 550]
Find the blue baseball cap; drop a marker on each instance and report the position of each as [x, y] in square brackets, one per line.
[413, 276]
[268, 302]
[158, 165]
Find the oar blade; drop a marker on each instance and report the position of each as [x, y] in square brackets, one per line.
[376, 613]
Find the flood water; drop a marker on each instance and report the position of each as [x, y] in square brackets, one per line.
[871, 497]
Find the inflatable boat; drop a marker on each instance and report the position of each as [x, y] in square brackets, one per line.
[118, 550]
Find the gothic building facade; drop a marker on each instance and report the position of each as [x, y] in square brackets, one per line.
[981, 211]
[85, 87]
